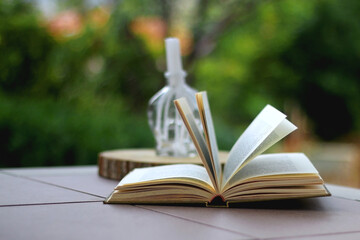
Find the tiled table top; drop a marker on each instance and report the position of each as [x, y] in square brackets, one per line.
[66, 203]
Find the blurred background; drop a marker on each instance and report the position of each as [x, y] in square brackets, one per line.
[76, 76]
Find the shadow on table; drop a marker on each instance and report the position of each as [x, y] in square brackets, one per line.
[288, 204]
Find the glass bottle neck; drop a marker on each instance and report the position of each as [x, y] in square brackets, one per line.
[175, 79]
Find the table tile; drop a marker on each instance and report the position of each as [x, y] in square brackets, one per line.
[281, 219]
[52, 171]
[336, 236]
[17, 190]
[92, 183]
[344, 192]
[100, 221]
[66, 196]
[83, 179]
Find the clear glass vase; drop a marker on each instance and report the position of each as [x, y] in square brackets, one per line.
[171, 135]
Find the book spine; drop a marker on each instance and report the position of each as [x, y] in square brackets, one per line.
[217, 201]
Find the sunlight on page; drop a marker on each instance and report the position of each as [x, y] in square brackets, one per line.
[205, 114]
[262, 126]
[166, 172]
[284, 128]
[274, 164]
[197, 136]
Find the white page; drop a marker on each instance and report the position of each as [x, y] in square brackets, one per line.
[192, 171]
[274, 164]
[197, 136]
[209, 130]
[260, 128]
[284, 128]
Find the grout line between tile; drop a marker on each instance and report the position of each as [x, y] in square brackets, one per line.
[39, 204]
[67, 172]
[311, 235]
[52, 184]
[205, 224]
[138, 206]
[346, 198]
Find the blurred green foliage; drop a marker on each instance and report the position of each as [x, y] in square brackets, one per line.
[66, 95]
[290, 51]
[47, 133]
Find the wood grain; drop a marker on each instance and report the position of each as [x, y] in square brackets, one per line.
[115, 164]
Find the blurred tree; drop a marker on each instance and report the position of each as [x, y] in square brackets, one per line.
[304, 52]
[325, 58]
[78, 82]
[24, 47]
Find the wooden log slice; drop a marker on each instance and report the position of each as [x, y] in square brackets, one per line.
[115, 164]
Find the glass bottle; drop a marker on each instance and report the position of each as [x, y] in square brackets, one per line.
[171, 135]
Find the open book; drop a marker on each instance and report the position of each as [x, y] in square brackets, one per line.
[246, 175]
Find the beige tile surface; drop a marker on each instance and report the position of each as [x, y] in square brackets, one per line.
[17, 190]
[335, 236]
[52, 171]
[92, 184]
[286, 219]
[82, 179]
[66, 203]
[344, 192]
[101, 221]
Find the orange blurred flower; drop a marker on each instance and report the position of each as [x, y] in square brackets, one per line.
[65, 25]
[185, 37]
[99, 17]
[152, 30]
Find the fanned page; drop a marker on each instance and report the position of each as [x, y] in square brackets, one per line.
[274, 164]
[178, 172]
[276, 176]
[209, 131]
[178, 183]
[251, 141]
[197, 137]
[284, 128]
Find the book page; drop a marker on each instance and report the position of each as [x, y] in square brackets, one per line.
[177, 183]
[259, 129]
[284, 128]
[274, 164]
[209, 131]
[175, 171]
[197, 137]
[277, 193]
